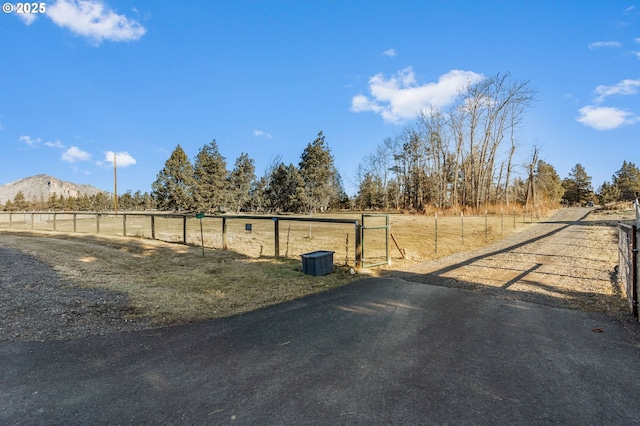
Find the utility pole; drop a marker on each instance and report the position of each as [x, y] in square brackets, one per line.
[115, 185]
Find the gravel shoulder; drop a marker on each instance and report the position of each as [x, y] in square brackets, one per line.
[568, 261]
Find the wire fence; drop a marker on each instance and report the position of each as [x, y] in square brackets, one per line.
[253, 236]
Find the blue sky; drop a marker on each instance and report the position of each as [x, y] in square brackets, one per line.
[87, 78]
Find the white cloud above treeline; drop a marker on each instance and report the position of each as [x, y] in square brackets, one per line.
[94, 20]
[607, 117]
[75, 154]
[261, 134]
[400, 98]
[123, 159]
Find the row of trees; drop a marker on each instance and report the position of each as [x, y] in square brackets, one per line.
[97, 202]
[624, 186]
[464, 156]
[207, 185]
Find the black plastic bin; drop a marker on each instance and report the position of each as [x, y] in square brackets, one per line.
[317, 263]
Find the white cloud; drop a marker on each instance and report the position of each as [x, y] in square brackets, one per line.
[625, 87]
[598, 44]
[56, 144]
[29, 141]
[74, 154]
[27, 18]
[605, 118]
[636, 40]
[94, 20]
[260, 133]
[390, 52]
[123, 159]
[400, 98]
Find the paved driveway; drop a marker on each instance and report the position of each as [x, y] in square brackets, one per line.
[378, 351]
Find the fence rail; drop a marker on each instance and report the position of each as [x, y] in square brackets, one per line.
[251, 235]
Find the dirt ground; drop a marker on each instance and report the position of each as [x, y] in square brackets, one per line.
[568, 261]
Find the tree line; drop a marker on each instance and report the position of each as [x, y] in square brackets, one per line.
[100, 201]
[207, 186]
[462, 156]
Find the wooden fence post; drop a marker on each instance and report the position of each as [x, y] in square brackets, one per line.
[74, 222]
[358, 245]
[54, 220]
[153, 227]
[184, 229]
[276, 233]
[97, 223]
[224, 233]
[436, 232]
[124, 225]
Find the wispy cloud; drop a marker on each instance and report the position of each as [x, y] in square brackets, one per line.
[625, 87]
[75, 154]
[27, 18]
[390, 52]
[400, 97]
[605, 118]
[260, 133]
[29, 140]
[598, 44]
[56, 144]
[123, 159]
[94, 20]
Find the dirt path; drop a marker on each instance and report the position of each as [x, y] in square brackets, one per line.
[567, 261]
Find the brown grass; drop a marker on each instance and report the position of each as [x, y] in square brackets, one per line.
[170, 282]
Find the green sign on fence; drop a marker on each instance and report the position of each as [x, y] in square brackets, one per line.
[199, 215]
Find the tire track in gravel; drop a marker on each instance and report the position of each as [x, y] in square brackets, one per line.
[566, 261]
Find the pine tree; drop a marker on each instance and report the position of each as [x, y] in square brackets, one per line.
[286, 189]
[627, 182]
[318, 172]
[548, 183]
[20, 203]
[240, 182]
[577, 186]
[173, 188]
[210, 172]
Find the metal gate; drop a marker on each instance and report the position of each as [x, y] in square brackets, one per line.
[374, 243]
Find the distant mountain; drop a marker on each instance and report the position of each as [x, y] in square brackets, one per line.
[40, 187]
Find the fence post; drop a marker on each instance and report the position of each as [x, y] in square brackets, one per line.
[74, 222]
[276, 236]
[153, 227]
[10, 219]
[462, 222]
[97, 223]
[436, 232]
[184, 229]
[124, 225]
[634, 269]
[358, 245]
[54, 220]
[486, 227]
[33, 219]
[501, 222]
[224, 233]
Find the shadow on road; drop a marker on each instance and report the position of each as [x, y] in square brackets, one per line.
[534, 283]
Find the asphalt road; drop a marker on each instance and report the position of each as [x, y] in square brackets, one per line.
[378, 351]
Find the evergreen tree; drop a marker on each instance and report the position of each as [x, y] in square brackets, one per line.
[627, 182]
[608, 193]
[286, 189]
[548, 183]
[20, 203]
[241, 181]
[210, 172]
[577, 186]
[173, 188]
[318, 173]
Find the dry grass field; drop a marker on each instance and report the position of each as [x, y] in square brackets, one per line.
[169, 282]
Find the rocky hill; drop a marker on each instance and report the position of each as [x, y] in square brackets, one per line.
[40, 187]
